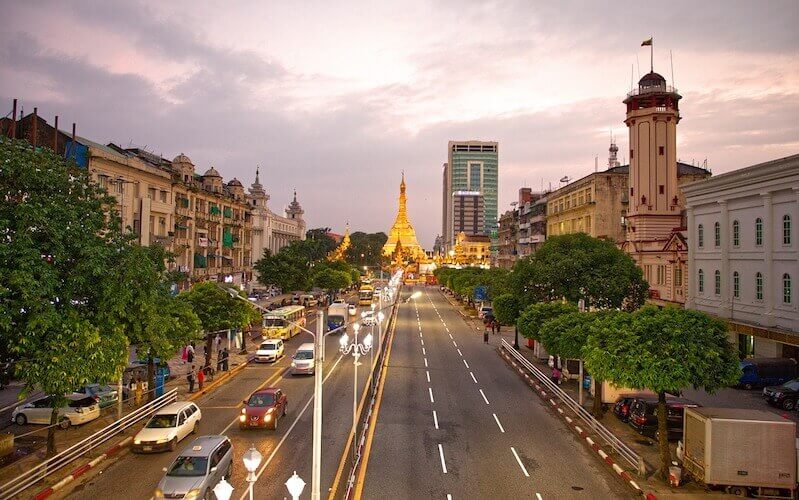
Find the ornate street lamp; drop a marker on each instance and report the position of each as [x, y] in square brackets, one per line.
[295, 485]
[252, 460]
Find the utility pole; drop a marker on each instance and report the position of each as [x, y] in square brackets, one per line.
[317, 408]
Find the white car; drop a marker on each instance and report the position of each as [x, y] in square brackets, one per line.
[303, 360]
[368, 318]
[352, 309]
[270, 350]
[76, 411]
[169, 425]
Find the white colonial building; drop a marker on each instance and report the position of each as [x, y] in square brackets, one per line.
[271, 231]
[744, 259]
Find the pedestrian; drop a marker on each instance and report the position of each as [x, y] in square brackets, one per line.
[556, 375]
[485, 335]
[138, 389]
[190, 355]
[200, 378]
[225, 356]
[190, 378]
[220, 360]
[184, 355]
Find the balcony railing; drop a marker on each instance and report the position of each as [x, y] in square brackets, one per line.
[651, 90]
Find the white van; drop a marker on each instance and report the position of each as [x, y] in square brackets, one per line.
[269, 350]
[303, 360]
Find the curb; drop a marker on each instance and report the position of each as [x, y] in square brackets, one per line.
[617, 469]
[110, 452]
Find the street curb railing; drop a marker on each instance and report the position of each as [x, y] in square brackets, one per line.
[53, 464]
[625, 452]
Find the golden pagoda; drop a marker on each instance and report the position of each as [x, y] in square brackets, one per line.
[339, 252]
[402, 236]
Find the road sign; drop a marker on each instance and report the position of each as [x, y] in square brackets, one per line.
[480, 293]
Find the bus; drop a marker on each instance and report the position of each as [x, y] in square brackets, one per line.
[365, 295]
[283, 322]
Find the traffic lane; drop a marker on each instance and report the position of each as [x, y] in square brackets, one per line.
[220, 409]
[543, 447]
[295, 454]
[404, 462]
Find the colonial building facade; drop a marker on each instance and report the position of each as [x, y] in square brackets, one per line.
[744, 260]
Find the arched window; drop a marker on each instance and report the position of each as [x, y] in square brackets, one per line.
[759, 286]
[736, 233]
[701, 281]
[700, 236]
[736, 285]
[786, 288]
[717, 234]
[758, 231]
[786, 229]
[717, 282]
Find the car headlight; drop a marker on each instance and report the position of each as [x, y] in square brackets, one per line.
[162, 441]
[192, 494]
[268, 417]
[158, 493]
[294, 364]
[242, 418]
[243, 411]
[137, 441]
[270, 410]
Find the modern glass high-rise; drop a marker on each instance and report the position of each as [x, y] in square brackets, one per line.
[471, 166]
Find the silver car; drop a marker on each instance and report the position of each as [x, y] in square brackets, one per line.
[197, 469]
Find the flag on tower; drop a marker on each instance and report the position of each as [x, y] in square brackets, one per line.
[646, 42]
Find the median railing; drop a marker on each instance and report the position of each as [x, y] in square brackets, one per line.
[592, 423]
[51, 465]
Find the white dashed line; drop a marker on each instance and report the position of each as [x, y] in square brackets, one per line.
[424, 353]
[454, 343]
[502, 429]
[459, 352]
[538, 496]
[444, 464]
[435, 419]
[449, 497]
[484, 396]
[472, 374]
[430, 390]
[450, 335]
[465, 363]
[422, 341]
[428, 376]
[526, 474]
[425, 362]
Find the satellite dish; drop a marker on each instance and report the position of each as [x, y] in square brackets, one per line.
[565, 179]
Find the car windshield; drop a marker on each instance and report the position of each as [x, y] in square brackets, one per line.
[189, 466]
[792, 385]
[268, 347]
[162, 421]
[274, 322]
[303, 355]
[261, 400]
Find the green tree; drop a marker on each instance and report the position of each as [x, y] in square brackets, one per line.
[578, 266]
[370, 245]
[332, 280]
[535, 316]
[283, 270]
[58, 240]
[663, 350]
[218, 311]
[506, 309]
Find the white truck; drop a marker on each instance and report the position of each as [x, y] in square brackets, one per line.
[745, 452]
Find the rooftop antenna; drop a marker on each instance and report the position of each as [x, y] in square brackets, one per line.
[671, 60]
[596, 163]
[631, 78]
[638, 66]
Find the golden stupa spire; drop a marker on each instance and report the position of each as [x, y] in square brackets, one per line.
[402, 234]
[341, 249]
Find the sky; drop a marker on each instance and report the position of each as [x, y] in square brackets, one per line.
[336, 99]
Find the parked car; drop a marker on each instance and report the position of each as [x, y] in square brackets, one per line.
[303, 360]
[270, 350]
[783, 396]
[105, 395]
[644, 419]
[308, 300]
[622, 406]
[264, 408]
[76, 410]
[762, 372]
[167, 426]
[198, 468]
[485, 311]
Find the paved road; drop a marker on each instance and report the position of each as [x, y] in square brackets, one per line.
[285, 450]
[455, 422]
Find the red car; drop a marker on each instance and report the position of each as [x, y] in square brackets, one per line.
[264, 408]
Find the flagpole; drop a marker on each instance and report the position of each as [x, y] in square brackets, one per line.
[652, 56]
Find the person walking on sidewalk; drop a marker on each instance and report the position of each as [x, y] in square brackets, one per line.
[190, 350]
[190, 375]
[226, 359]
[485, 335]
[200, 378]
[556, 375]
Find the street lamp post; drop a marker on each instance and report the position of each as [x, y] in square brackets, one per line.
[223, 490]
[252, 459]
[357, 350]
[316, 474]
[295, 485]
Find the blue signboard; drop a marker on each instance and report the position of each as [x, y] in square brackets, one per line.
[480, 293]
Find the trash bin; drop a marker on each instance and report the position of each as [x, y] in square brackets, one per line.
[675, 475]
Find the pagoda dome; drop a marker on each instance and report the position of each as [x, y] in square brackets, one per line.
[211, 172]
[235, 183]
[181, 158]
[652, 80]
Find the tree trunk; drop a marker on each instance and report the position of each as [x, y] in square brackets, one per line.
[51, 449]
[209, 347]
[598, 409]
[663, 437]
[150, 379]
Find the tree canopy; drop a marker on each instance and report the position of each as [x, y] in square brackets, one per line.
[506, 309]
[578, 266]
[216, 309]
[370, 245]
[535, 316]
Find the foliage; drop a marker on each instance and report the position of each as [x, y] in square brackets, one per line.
[506, 309]
[283, 270]
[533, 317]
[464, 281]
[566, 335]
[58, 240]
[216, 309]
[663, 350]
[332, 279]
[576, 266]
[370, 245]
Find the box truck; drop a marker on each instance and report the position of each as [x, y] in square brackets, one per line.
[745, 452]
[336, 315]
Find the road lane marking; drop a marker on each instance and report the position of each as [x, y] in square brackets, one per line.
[449, 497]
[526, 474]
[428, 376]
[465, 363]
[424, 352]
[450, 336]
[472, 374]
[454, 343]
[435, 419]
[502, 429]
[459, 352]
[441, 453]
[538, 496]
[422, 341]
[484, 396]
[430, 389]
[425, 362]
